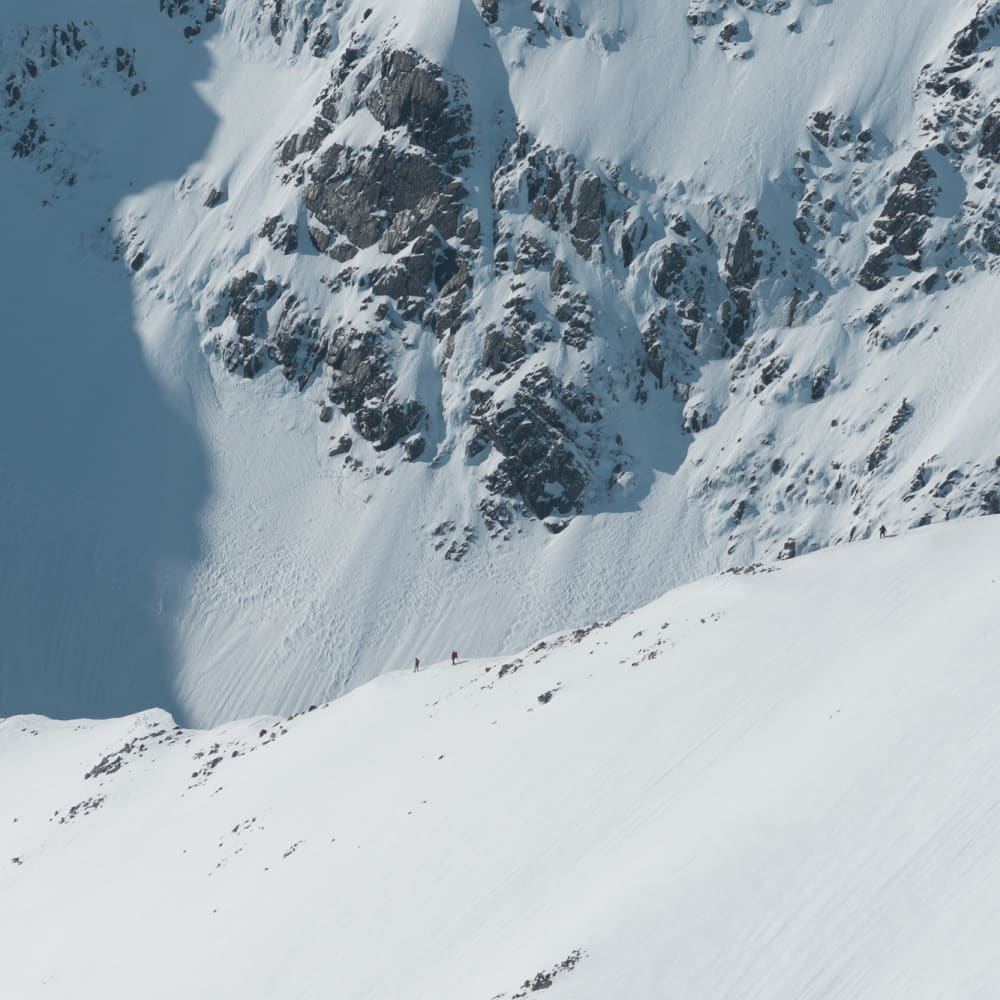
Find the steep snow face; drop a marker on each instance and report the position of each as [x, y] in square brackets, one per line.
[780, 783]
[102, 477]
[462, 321]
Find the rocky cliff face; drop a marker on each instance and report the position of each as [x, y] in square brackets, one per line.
[455, 282]
[682, 279]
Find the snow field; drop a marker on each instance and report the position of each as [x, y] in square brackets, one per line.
[761, 785]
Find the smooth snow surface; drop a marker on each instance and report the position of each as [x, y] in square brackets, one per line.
[780, 784]
[172, 535]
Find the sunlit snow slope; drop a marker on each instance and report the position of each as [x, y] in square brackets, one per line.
[778, 784]
[339, 332]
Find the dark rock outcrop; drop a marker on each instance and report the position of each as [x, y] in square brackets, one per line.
[900, 229]
[990, 144]
[411, 94]
[378, 193]
[742, 272]
[541, 461]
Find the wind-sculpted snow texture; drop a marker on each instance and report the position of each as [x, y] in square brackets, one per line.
[534, 307]
[777, 783]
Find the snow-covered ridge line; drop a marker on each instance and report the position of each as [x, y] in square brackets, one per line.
[762, 783]
[478, 306]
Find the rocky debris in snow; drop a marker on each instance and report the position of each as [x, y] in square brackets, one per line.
[899, 420]
[299, 25]
[81, 809]
[947, 485]
[113, 762]
[499, 517]
[727, 22]
[751, 570]
[460, 546]
[458, 543]
[920, 479]
[773, 370]
[30, 139]
[545, 980]
[208, 760]
[510, 668]
[341, 445]
[193, 14]
[503, 348]
[34, 53]
[542, 649]
[940, 490]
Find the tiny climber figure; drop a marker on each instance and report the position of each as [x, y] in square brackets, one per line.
[882, 532]
[454, 657]
[416, 664]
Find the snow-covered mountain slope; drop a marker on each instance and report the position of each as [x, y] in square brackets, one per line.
[459, 322]
[769, 784]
